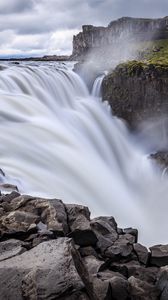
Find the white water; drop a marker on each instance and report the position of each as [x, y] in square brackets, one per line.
[96, 89]
[58, 141]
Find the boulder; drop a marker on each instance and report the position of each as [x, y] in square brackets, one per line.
[51, 212]
[131, 231]
[93, 264]
[11, 248]
[105, 229]
[159, 255]
[18, 222]
[54, 216]
[162, 282]
[141, 290]
[142, 253]
[79, 223]
[110, 285]
[44, 272]
[121, 248]
[88, 251]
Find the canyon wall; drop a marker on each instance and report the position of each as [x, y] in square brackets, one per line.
[137, 91]
[124, 29]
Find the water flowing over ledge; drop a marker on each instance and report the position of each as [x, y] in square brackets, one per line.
[59, 141]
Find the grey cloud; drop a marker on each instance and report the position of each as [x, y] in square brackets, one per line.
[41, 18]
[15, 6]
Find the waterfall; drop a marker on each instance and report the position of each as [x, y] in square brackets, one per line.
[56, 140]
[96, 89]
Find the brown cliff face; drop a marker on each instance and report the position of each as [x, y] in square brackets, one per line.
[93, 38]
[137, 91]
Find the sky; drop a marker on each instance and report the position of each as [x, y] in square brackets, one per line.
[40, 27]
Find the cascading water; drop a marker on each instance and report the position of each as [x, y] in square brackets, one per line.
[96, 89]
[59, 141]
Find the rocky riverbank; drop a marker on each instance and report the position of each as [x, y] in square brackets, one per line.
[52, 250]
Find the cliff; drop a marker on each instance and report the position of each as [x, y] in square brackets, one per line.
[124, 29]
[137, 91]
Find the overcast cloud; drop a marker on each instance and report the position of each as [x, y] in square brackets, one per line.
[39, 27]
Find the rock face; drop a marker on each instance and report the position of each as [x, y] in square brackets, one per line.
[46, 270]
[92, 38]
[137, 91]
[55, 251]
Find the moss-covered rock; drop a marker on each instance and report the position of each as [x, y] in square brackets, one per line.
[137, 90]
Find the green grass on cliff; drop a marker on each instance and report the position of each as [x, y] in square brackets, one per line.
[155, 52]
[150, 55]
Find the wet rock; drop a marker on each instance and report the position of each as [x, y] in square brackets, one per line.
[162, 159]
[79, 223]
[105, 229]
[44, 272]
[11, 248]
[142, 253]
[162, 283]
[141, 290]
[159, 255]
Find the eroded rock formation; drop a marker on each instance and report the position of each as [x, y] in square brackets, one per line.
[124, 29]
[137, 91]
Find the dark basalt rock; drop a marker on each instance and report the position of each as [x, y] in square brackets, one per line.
[141, 290]
[137, 92]
[131, 231]
[93, 264]
[159, 255]
[79, 223]
[44, 272]
[76, 296]
[30, 211]
[162, 283]
[99, 262]
[88, 251]
[110, 285]
[142, 253]
[105, 229]
[18, 221]
[121, 248]
[116, 35]
[162, 159]
[11, 248]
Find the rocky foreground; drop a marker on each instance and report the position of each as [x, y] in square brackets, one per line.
[52, 250]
